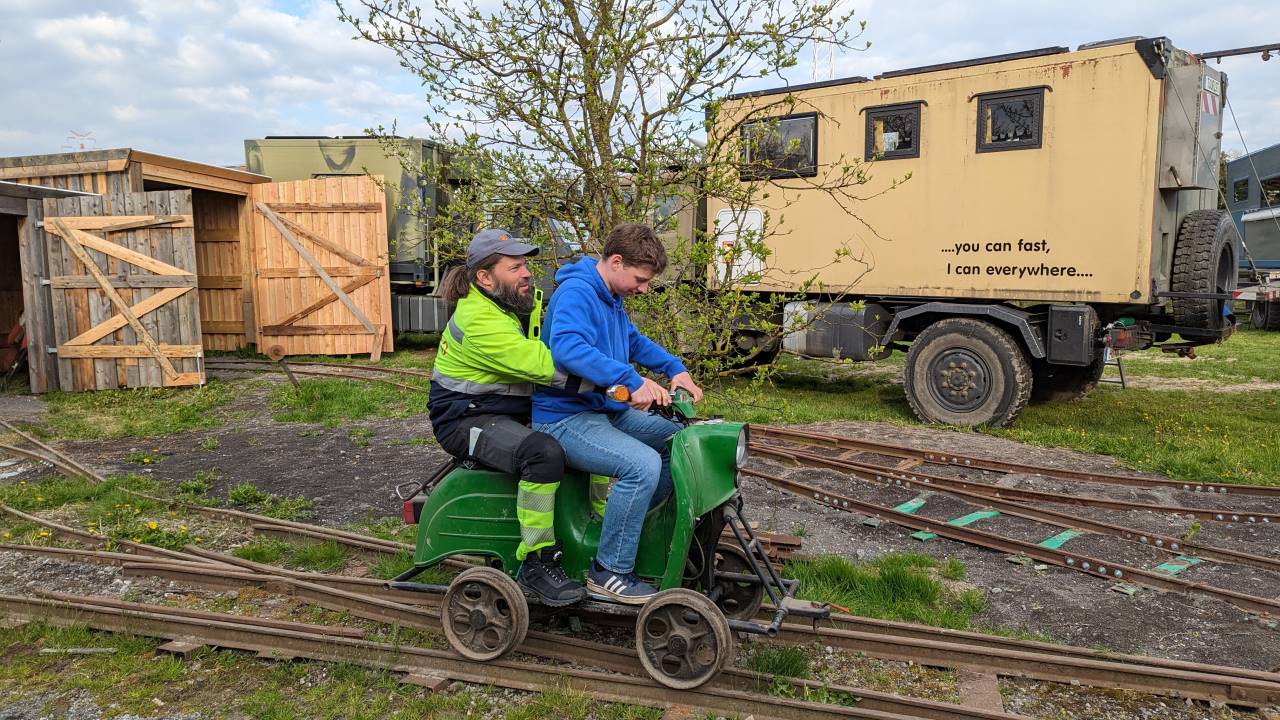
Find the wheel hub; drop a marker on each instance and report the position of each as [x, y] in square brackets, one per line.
[960, 380]
[478, 618]
[678, 645]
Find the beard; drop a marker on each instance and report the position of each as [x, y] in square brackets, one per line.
[510, 297]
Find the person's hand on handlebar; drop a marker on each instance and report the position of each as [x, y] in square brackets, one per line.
[650, 393]
[685, 382]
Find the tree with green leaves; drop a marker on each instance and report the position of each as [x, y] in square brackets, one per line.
[567, 118]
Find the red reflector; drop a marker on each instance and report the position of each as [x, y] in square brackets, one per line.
[409, 519]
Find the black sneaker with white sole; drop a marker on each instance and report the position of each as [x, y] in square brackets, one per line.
[626, 588]
[541, 576]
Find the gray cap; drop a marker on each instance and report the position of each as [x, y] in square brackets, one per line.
[496, 240]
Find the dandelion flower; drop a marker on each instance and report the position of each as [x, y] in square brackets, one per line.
[152, 525]
[182, 528]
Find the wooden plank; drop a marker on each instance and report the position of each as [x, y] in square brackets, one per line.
[66, 282]
[117, 188]
[36, 171]
[351, 286]
[128, 351]
[325, 243]
[315, 264]
[979, 690]
[333, 270]
[220, 282]
[97, 304]
[311, 207]
[37, 311]
[184, 256]
[12, 206]
[120, 223]
[375, 352]
[222, 327]
[183, 379]
[244, 217]
[59, 305]
[189, 179]
[314, 330]
[132, 257]
[219, 235]
[199, 168]
[73, 244]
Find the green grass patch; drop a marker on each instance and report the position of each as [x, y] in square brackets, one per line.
[333, 402]
[897, 586]
[262, 550]
[314, 557]
[953, 569]
[1248, 356]
[140, 412]
[786, 660]
[250, 497]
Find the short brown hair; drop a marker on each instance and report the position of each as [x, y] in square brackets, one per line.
[638, 245]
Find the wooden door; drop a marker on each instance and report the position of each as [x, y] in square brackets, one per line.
[321, 282]
[122, 291]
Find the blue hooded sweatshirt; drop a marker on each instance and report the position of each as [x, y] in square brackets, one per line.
[591, 336]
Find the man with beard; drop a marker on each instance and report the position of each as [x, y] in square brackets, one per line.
[489, 360]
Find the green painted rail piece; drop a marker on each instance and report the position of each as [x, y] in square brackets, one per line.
[1176, 565]
[1060, 539]
[911, 505]
[961, 521]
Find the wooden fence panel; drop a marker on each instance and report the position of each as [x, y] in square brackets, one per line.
[321, 282]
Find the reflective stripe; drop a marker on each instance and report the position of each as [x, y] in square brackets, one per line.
[535, 505]
[455, 330]
[473, 388]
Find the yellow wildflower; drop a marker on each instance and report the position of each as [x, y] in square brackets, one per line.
[182, 528]
[152, 525]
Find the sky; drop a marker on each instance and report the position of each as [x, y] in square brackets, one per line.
[195, 78]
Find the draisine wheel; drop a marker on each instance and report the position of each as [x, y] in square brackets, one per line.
[682, 638]
[484, 614]
[737, 600]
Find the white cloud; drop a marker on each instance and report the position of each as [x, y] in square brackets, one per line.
[125, 113]
[93, 38]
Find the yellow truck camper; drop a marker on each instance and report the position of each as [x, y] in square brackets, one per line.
[1051, 206]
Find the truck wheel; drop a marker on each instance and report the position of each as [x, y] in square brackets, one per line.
[1265, 315]
[1061, 383]
[1204, 261]
[963, 371]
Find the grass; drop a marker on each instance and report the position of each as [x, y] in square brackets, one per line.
[1191, 434]
[312, 557]
[333, 402]
[142, 412]
[785, 660]
[897, 586]
[1248, 356]
[250, 497]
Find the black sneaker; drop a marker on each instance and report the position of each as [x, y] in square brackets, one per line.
[541, 576]
[627, 589]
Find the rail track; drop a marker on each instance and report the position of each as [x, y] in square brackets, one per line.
[366, 373]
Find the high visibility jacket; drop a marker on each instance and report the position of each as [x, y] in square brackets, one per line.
[487, 363]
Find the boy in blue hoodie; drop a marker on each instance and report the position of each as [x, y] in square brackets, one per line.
[590, 335]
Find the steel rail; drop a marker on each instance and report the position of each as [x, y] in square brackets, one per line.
[1035, 660]
[1162, 543]
[279, 643]
[938, 457]
[75, 534]
[372, 368]
[99, 557]
[894, 641]
[230, 367]
[878, 473]
[1072, 561]
[86, 472]
[38, 457]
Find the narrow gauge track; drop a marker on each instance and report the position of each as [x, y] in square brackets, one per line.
[1162, 543]
[884, 473]
[257, 367]
[367, 598]
[938, 457]
[1073, 561]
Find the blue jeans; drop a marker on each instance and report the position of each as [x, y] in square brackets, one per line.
[629, 446]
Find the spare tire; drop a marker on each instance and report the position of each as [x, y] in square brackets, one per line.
[1204, 261]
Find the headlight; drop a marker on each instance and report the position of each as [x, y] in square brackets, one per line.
[740, 457]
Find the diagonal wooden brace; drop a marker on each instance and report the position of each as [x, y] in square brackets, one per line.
[69, 236]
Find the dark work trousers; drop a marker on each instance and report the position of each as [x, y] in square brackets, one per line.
[507, 445]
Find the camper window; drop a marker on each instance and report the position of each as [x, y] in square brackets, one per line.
[893, 131]
[780, 147]
[1271, 192]
[1010, 120]
[1240, 189]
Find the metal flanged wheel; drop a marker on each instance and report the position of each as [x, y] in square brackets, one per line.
[484, 614]
[682, 638]
[737, 600]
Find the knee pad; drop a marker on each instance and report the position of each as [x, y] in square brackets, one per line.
[540, 458]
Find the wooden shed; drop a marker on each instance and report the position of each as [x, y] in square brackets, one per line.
[108, 273]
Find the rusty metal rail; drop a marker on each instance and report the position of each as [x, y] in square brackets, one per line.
[1072, 561]
[938, 457]
[880, 473]
[1162, 543]
[245, 633]
[227, 365]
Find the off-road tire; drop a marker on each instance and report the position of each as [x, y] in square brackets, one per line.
[1265, 315]
[940, 358]
[1063, 383]
[1204, 261]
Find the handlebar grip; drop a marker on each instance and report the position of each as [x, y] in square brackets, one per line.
[619, 393]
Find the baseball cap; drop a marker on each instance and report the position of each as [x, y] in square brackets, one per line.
[496, 240]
